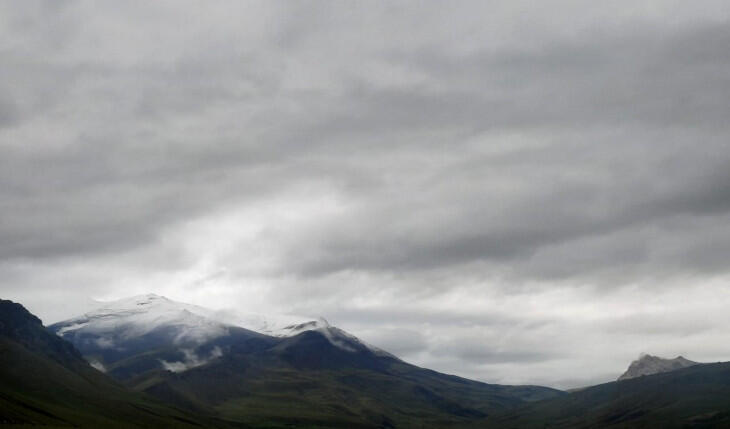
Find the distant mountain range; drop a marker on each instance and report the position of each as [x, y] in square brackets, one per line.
[285, 373]
[148, 361]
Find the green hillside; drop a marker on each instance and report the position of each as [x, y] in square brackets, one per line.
[45, 382]
[257, 381]
[695, 397]
[305, 380]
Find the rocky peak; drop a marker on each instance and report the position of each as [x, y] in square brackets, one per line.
[648, 365]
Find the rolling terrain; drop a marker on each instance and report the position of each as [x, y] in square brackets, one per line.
[305, 373]
[694, 397]
[44, 381]
[152, 362]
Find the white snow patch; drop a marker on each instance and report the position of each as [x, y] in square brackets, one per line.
[133, 317]
[193, 325]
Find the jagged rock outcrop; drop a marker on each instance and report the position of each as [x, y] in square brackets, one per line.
[648, 364]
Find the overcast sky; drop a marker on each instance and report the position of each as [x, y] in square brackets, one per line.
[516, 192]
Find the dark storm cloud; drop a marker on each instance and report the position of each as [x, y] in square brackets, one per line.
[634, 130]
[630, 130]
[479, 225]
[625, 137]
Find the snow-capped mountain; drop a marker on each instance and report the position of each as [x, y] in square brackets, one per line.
[223, 374]
[184, 335]
[283, 326]
[138, 316]
[648, 365]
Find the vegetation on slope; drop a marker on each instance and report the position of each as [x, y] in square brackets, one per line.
[697, 397]
[45, 382]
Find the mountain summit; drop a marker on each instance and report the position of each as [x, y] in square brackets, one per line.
[119, 329]
[648, 365]
[263, 371]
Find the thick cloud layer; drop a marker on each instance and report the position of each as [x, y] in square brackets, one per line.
[497, 189]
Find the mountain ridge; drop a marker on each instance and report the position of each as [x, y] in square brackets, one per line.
[318, 371]
[248, 379]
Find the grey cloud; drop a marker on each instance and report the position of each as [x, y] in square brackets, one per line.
[458, 146]
[482, 355]
[468, 229]
[398, 315]
[626, 170]
[179, 176]
[671, 325]
[8, 110]
[400, 342]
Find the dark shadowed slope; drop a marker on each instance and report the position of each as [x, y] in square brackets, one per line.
[307, 380]
[694, 397]
[315, 375]
[45, 381]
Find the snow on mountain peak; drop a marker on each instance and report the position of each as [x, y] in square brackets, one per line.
[143, 314]
[115, 322]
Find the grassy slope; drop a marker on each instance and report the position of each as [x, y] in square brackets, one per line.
[692, 397]
[35, 389]
[44, 381]
[327, 387]
[306, 381]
